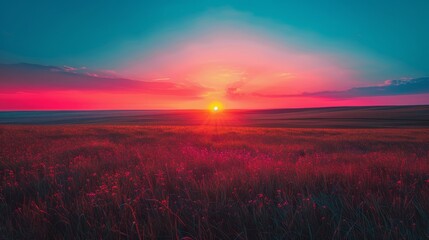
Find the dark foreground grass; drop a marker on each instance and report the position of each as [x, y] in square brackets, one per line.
[125, 182]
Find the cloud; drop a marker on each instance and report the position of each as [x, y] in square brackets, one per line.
[85, 71]
[214, 48]
[38, 78]
[388, 88]
[234, 91]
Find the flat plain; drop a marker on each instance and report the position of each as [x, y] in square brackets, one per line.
[125, 181]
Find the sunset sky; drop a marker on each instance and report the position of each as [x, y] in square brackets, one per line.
[189, 54]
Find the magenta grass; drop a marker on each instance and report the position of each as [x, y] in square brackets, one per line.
[137, 182]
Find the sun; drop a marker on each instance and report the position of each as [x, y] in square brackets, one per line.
[216, 107]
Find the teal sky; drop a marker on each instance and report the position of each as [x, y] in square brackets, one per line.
[77, 32]
[244, 53]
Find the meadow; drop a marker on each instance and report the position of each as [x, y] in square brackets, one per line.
[194, 182]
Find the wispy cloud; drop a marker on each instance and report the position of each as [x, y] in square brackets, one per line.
[38, 78]
[234, 91]
[388, 88]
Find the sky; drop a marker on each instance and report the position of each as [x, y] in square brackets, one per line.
[189, 54]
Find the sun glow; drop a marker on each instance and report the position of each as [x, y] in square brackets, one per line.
[215, 107]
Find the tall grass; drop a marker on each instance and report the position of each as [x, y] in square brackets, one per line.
[137, 182]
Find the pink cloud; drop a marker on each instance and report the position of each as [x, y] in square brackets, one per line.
[38, 78]
[218, 56]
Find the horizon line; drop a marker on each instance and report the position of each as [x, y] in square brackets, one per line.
[206, 109]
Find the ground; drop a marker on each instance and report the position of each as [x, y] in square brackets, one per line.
[164, 182]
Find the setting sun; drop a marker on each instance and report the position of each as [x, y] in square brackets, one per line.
[215, 107]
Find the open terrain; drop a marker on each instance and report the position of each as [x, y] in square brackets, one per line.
[332, 117]
[109, 181]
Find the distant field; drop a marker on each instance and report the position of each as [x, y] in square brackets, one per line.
[334, 117]
[200, 182]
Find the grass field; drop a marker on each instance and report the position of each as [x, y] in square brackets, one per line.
[143, 182]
